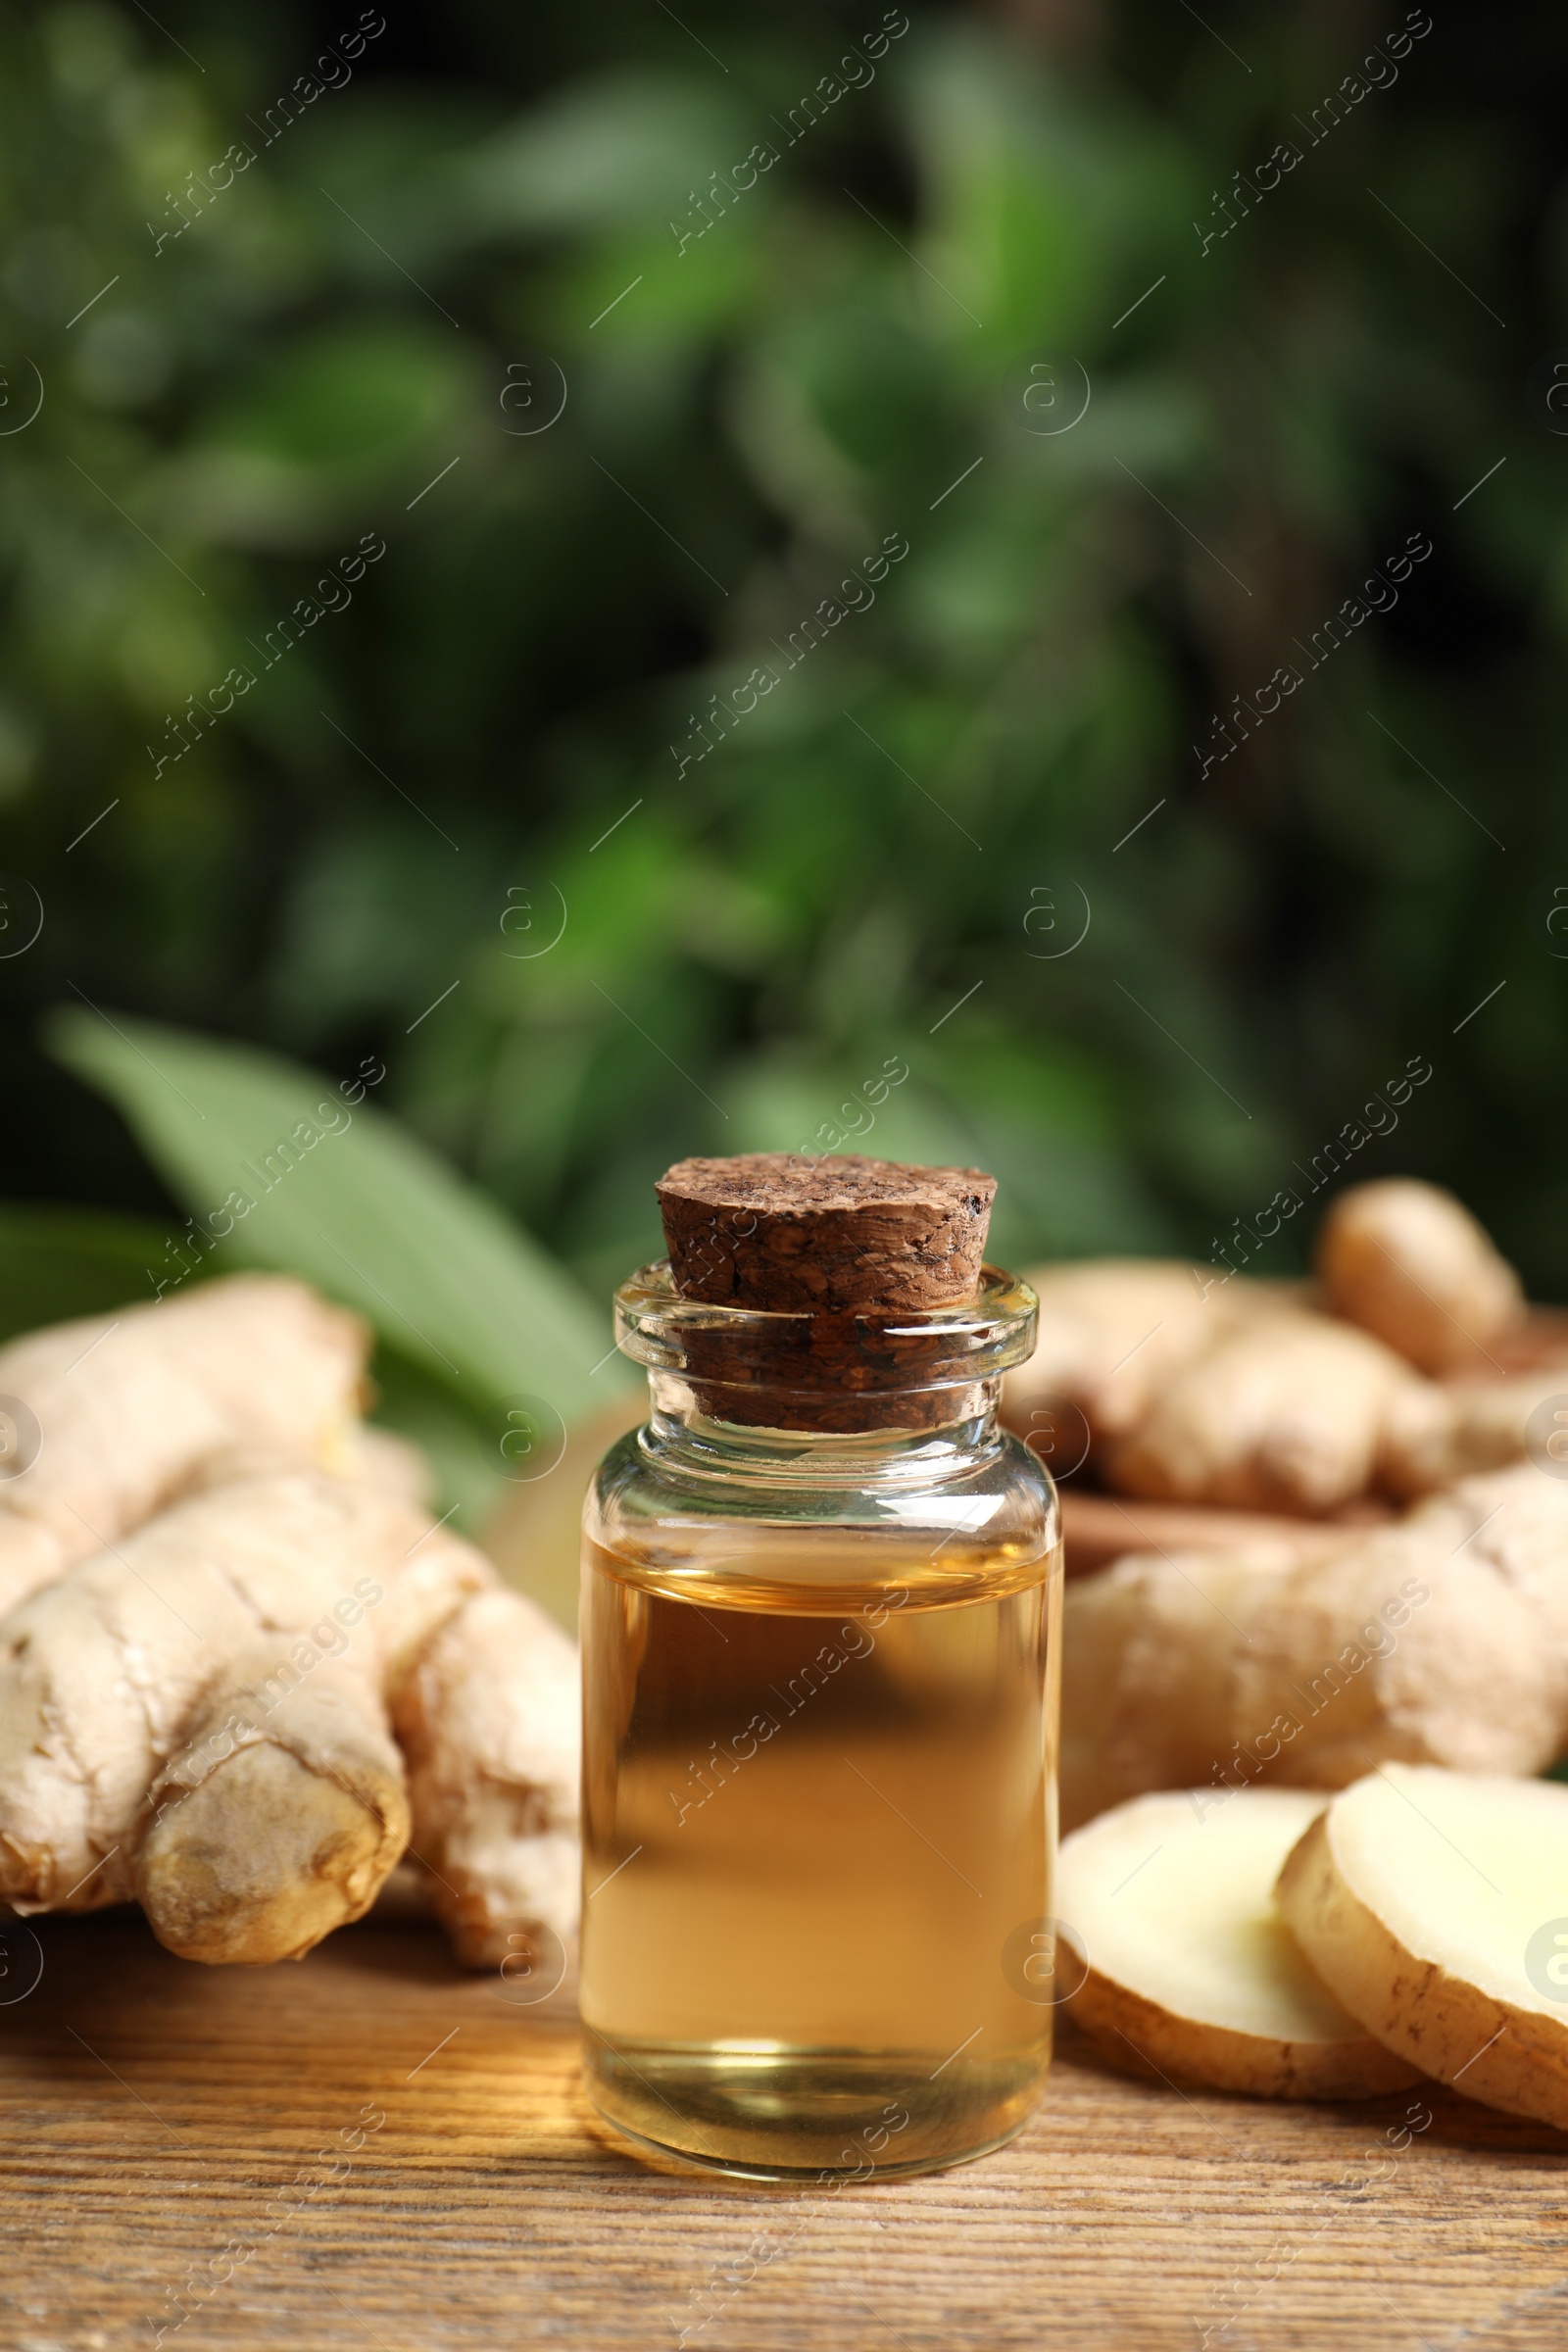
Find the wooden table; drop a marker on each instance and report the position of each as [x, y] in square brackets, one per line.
[155, 2112]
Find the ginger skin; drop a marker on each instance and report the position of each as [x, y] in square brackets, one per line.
[1441, 1640]
[1287, 1413]
[203, 1718]
[216, 1585]
[154, 1667]
[489, 1720]
[1236, 1392]
[132, 1406]
[1408, 1261]
[1230, 1394]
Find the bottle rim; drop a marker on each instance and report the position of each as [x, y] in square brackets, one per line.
[975, 1339]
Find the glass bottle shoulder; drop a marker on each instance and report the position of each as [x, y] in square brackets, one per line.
[963, 1523]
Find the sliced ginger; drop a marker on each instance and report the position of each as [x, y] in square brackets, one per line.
[1191, 1973]
[1435, 1905]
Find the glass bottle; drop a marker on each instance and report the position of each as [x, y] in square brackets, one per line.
[820, 1682]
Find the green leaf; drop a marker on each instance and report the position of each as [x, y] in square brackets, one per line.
[58, 1263]
[348, 1199]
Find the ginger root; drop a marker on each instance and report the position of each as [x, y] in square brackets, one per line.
[295, 1835]
[1443, 1638]
[1113, 1331]
[1408, 1261]
[203, 1717]
[1436, 1434]
[1287, 1413]
[154, 1666]
[489, 1720]
[1198, 1390]
[1208, 1388]
[130, 1406]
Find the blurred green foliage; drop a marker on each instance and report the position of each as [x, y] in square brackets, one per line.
[479, 738]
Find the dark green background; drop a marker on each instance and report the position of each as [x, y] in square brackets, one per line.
[764, 933]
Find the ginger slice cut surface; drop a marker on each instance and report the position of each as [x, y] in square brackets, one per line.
[1191, 1972]
[1434, 1905]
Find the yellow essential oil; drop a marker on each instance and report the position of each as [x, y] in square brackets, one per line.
[819, 1800]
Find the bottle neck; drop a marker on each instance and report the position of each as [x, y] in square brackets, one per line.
[862, 1385]
[952, 1432]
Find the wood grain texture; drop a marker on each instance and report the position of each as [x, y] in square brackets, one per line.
[154, 2107]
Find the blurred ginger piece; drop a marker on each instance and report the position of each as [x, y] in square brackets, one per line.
[1113, 1331]
[1150, 1670]
[1200, 1390]
[1440, 1434]
[120, 1412]
[1287, 1413]
[1408, 1261]
[1441, 1640]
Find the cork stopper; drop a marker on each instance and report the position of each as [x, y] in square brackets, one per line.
[843, 1252]
[783, 1235]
